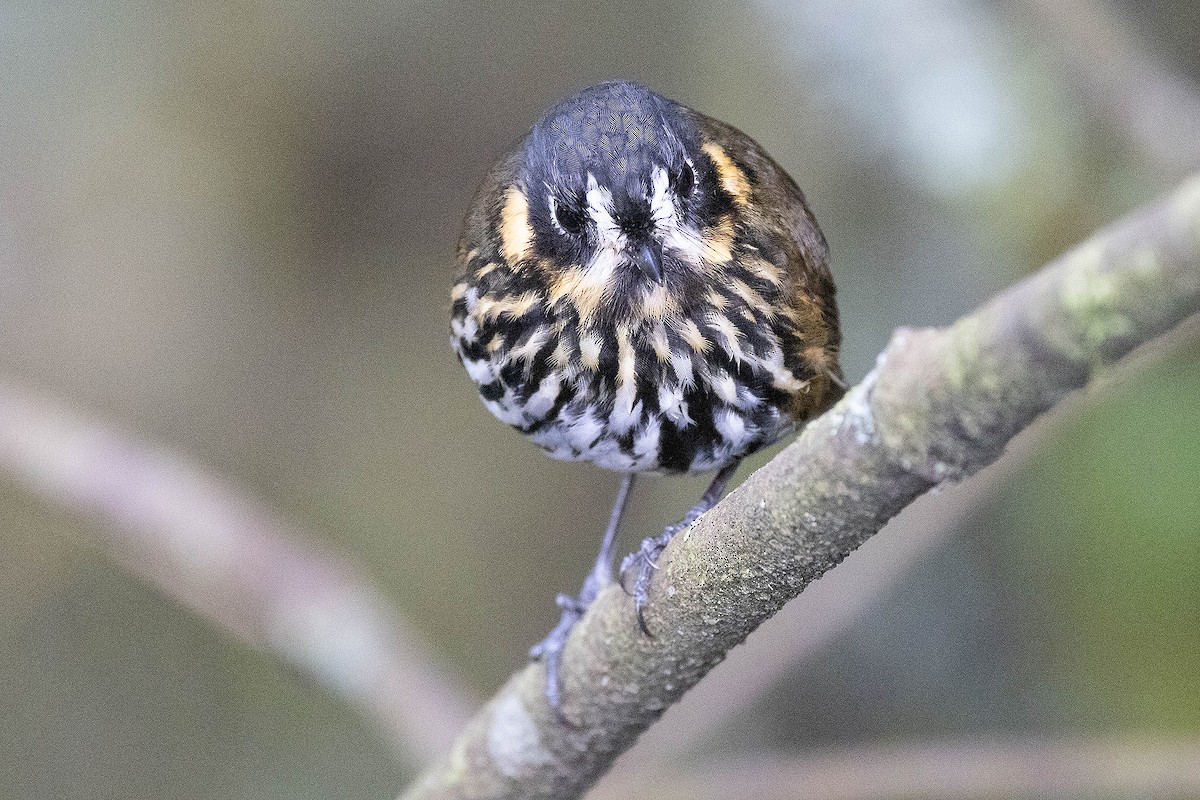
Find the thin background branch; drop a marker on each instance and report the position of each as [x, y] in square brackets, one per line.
[231, 560]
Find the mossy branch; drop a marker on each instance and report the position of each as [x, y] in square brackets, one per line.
[940, 405]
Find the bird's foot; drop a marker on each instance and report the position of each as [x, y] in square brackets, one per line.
[549, 650]
[642, 563]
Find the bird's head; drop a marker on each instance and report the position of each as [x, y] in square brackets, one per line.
[618, 190]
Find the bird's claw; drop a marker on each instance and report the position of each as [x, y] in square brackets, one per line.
[549, 650]
[645, 560]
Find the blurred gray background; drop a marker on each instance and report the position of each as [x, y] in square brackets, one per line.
[228, 228]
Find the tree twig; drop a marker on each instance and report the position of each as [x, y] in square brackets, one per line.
[234, 562]
[940, 405]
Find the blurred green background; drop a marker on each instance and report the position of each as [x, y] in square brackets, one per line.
[228, 228]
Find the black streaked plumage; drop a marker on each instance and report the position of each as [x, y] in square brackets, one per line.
[644, 288]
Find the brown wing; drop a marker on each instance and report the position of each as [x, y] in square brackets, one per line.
[771, 210]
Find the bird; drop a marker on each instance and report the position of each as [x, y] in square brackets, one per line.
[642, 287]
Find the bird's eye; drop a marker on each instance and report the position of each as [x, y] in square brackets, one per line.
[569, 219]
[685, 181]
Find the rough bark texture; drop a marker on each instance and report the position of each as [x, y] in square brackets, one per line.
[940, 405]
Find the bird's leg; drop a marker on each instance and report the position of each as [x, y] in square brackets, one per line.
[550, 649]
[644, 557]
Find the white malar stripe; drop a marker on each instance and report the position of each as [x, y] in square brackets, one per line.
[599, 271]
[677, 237]
[610, 239]
[684, 244]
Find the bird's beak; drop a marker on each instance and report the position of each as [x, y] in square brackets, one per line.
[648, 258]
